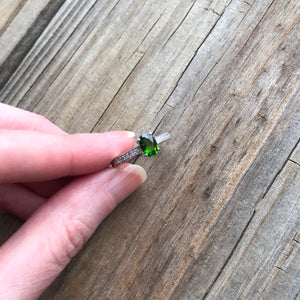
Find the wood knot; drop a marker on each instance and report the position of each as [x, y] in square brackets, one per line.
[207, 192]
[213, 148]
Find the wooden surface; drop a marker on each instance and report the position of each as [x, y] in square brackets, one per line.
[219, 215]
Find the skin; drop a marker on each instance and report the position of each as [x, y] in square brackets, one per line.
[62, 186]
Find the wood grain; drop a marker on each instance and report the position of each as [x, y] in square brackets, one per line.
[21, 24]
[267, 255]
[218, 217]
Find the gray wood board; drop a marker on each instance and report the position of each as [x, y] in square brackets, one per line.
[218, 217]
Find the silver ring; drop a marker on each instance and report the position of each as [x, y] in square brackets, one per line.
[147, 145]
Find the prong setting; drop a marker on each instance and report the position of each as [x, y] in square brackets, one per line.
[147, 145]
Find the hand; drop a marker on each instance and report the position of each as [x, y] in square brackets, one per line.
[61, 184]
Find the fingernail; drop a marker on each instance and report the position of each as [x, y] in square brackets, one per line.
[125, 182]
[130, 134]
[138, 170]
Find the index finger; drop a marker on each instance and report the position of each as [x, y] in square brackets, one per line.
[27, 156]
[19, 119]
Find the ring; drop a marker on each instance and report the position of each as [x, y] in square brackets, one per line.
[147, 145]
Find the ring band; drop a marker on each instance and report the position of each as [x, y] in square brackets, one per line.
[148, 145]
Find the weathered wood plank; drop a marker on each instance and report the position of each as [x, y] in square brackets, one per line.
[21, 24]
[9, 10]
[229, 108]
[16, 18]
[221, 76]
[220, 244]
[285, 282]
[263, 258]
[93, 69]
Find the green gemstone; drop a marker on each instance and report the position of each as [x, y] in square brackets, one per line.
[148, 144]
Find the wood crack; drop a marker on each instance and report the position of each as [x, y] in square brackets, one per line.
[294, 162]
[230, 255]
[255, 30]
[191, 60]
[277, 174]
[146, 35]
[281, 269]
[179, 25]
[116, 94]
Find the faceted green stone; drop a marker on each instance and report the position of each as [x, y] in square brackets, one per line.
[148, 144]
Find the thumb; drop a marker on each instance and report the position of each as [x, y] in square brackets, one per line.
[32, 258]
